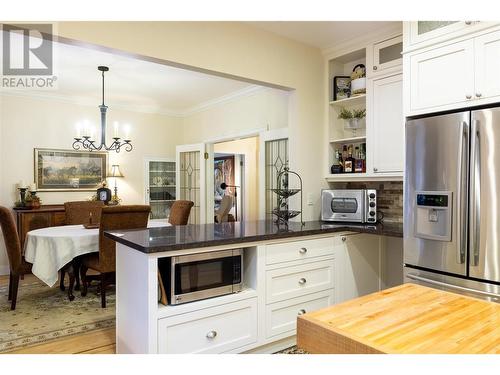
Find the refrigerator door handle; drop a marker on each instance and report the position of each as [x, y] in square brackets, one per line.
[462, 192]
[451, 286]
[475, 194]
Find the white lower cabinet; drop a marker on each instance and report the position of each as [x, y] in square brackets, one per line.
[281, 317]
[214, 330]
[290, 282]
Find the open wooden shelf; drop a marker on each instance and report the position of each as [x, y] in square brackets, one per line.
[353, 100]
[348, 177]
[360, 139]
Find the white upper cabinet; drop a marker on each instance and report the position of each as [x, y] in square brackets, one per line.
[442, 76]
[386, 55]
[451, 75]
[419, 34]
[487, 73]
[387, 124]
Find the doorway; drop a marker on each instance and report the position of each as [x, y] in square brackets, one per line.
[236, 173]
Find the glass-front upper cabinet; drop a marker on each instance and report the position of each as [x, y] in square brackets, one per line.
[387, 54]
[425, 32]
[160, 186]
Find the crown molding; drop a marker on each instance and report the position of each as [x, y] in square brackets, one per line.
[82, 101]
[349, 45]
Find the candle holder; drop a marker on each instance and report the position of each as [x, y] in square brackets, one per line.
[22, 192]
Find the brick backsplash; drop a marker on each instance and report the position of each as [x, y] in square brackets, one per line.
[389, 197]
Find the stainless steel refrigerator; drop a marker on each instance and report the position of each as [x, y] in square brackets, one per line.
[452, 202]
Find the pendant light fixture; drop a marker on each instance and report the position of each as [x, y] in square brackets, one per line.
[85, 142]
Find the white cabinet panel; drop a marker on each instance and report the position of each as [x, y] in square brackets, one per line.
[298, 250]
[214, 330]
[387, 125]
[291, 282]
[487, 59]
[281, 317]
[442, 76]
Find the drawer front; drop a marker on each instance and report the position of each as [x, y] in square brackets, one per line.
[281, 317]
[291, 282]
[298, 250]
[215, 330]
[59, 218]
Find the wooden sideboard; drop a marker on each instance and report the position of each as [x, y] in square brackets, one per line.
[45, 216]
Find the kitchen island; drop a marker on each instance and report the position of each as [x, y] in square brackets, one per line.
[287, 270]
[407, 319]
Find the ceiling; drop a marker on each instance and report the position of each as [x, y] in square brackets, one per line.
[323, 34]
[135, 84]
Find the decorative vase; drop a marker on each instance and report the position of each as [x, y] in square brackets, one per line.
[358, 86]
[354, 123]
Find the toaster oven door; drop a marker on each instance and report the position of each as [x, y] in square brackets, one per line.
[342, 205]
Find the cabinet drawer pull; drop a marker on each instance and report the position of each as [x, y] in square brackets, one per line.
[303, 250]
[468, 96]
[375, 67]
[343, 238]
[478, 94]
[468, 22]
[375, 169]
[211, 335]
[301, 312]
[302, 281]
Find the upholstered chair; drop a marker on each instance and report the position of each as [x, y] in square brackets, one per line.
[112, 218]
[18, 266]
[179, 212]
[78, 212]
[226, 204]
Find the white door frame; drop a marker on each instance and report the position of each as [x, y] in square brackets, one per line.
[265, 136]
[203, 194]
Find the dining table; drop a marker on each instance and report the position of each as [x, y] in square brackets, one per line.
[50, 249]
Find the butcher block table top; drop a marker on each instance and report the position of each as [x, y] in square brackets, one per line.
[406, 319]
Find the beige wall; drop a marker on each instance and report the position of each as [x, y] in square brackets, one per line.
[241, 50]
[263, 109]
[26, 123]
[250, 148]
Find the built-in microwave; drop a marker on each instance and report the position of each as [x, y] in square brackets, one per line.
[349, 205]
[198, 276]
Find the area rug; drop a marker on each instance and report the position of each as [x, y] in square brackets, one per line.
[44, 313]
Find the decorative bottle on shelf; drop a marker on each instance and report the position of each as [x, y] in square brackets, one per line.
[358, 162]
[349, 161]
[362, 155]
[337, 166]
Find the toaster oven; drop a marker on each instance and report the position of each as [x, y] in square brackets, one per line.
[349, 205]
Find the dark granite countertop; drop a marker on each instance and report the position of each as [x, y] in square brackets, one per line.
[154, 240]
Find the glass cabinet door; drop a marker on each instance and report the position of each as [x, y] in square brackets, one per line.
[387, 53]
[161, 188]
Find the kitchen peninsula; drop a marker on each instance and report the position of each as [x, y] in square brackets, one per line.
[287, 271]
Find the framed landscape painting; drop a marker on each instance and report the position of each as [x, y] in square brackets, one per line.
[58, 170]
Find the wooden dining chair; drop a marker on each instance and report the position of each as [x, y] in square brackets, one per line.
[179, 212]
[78, 212]
[18, 266]
[112, 218]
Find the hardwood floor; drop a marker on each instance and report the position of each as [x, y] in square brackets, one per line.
[96, 342]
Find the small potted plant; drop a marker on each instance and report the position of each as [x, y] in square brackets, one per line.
[353, 119]
[33, 201]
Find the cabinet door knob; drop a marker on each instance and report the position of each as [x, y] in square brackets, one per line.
[211, 335]
[303, 250]
[478, 94]
[375, 67]
[375, 169]
[468, 22]
[468, 96]
[301, 312]
[302, 281]
[343, 238]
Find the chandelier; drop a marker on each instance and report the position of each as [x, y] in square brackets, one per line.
[85, 142]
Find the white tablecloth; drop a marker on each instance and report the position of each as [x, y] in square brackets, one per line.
[50, 249]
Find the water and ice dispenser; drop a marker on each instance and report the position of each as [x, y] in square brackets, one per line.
[433, 216]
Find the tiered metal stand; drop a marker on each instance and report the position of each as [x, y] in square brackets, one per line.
[283, 192]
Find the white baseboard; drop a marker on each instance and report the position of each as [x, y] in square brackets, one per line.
[4, 270]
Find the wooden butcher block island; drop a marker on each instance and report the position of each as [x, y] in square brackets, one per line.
[406, 319]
